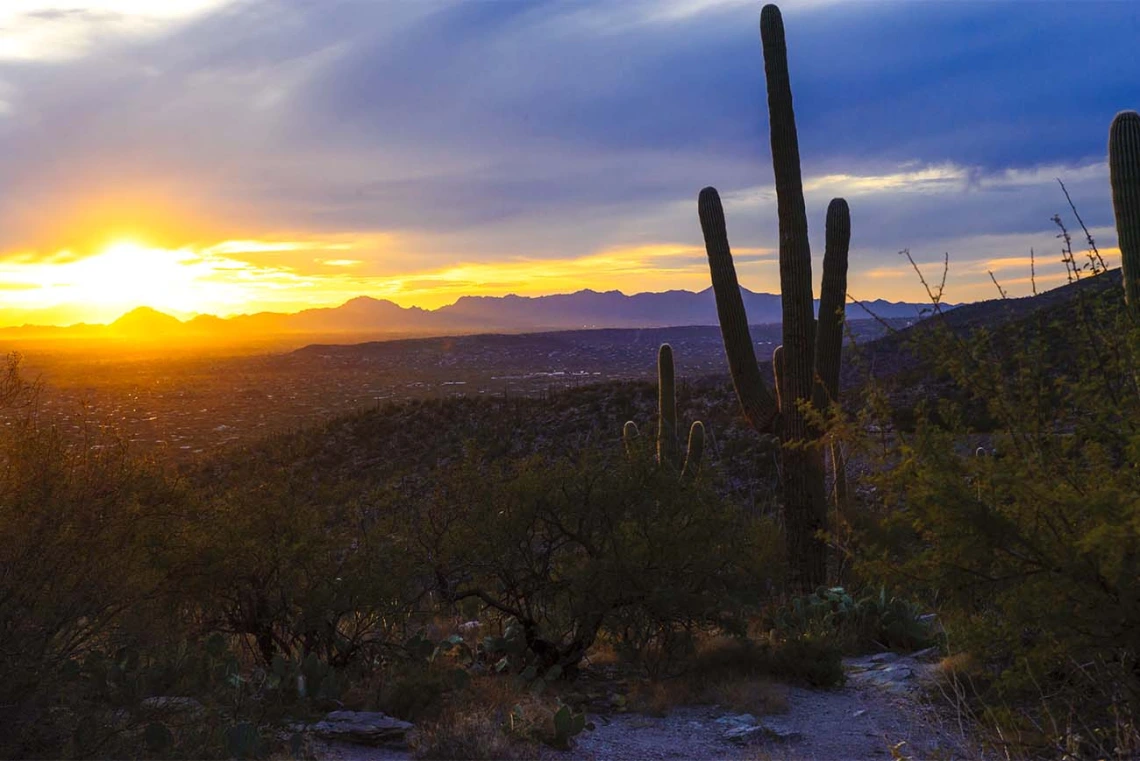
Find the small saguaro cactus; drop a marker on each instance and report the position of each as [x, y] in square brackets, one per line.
[666, 407]
[668, 453]
[806, 366]
[1124, 174]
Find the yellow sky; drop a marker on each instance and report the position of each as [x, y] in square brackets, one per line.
[244, 276]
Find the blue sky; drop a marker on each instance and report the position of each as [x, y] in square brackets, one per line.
[450, 146]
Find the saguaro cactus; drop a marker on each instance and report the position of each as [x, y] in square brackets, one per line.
[1124, 174]
[807, 365]
[667, 446]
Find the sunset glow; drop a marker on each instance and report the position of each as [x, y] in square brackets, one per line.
[235, 156]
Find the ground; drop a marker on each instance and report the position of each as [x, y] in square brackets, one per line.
[882, 712]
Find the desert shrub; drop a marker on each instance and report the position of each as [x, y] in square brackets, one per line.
[814, 661]
[567, 547]
[297, 571]
[81, 529]
[108, 646]
[873, 621]
[1027, 538]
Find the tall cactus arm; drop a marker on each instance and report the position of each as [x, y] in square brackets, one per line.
[832, 299]
[629, 435]
[795, 251]
[1124, 173]
[778, 373]
[666, 408]
[695, 450]
[758, 405]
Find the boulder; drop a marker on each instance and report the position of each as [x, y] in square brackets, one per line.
[361, 728]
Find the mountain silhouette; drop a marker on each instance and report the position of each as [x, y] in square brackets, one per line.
[365, 316]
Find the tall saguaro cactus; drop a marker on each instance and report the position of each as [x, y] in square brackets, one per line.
[807, 365]
[1124, 173]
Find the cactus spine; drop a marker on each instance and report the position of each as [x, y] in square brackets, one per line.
[806, 366]
[1124, 174]
[668, 454]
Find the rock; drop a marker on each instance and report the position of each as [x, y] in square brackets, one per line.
[743, 734]
[744, 729]
[776, 729]
[738, 719]
[172, 704]
[360, 728]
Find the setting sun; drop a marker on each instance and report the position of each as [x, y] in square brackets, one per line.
[123, 275]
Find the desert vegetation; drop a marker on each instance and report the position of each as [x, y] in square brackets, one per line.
[499, 570]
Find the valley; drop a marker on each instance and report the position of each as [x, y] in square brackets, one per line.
[185, 406]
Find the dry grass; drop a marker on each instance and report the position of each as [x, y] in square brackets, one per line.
[722, 672]
[471, 733]
[741, 694]
[494, 718]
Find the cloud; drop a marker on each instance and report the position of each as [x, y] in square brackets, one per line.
[432, 135]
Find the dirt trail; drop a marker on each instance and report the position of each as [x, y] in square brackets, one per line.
[879, 709]
[879, 714]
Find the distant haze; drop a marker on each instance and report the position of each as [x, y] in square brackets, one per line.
[364, 316]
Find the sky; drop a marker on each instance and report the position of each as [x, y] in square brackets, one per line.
[233, 156]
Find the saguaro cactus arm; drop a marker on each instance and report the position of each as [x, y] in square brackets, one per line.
[695, 451]
[758, 405]
[832, 301]
[1124, 174]
[778, 373]
[666, 408]
[795, 250]
[629, 436]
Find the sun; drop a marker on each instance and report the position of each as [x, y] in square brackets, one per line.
[121, 276]
[127, 274]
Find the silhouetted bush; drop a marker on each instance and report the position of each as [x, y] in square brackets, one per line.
[1027, 537]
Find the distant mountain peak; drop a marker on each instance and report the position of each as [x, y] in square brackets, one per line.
[145, 316]
[145, 322]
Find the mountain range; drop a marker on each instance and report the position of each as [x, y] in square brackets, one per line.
[364, 317]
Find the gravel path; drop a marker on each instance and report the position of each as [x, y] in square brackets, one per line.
[863, 720]
[879, 714]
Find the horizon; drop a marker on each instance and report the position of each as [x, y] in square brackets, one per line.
[185, 318]
[355, 160]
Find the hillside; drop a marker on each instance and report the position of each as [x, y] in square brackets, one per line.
[894, 354]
